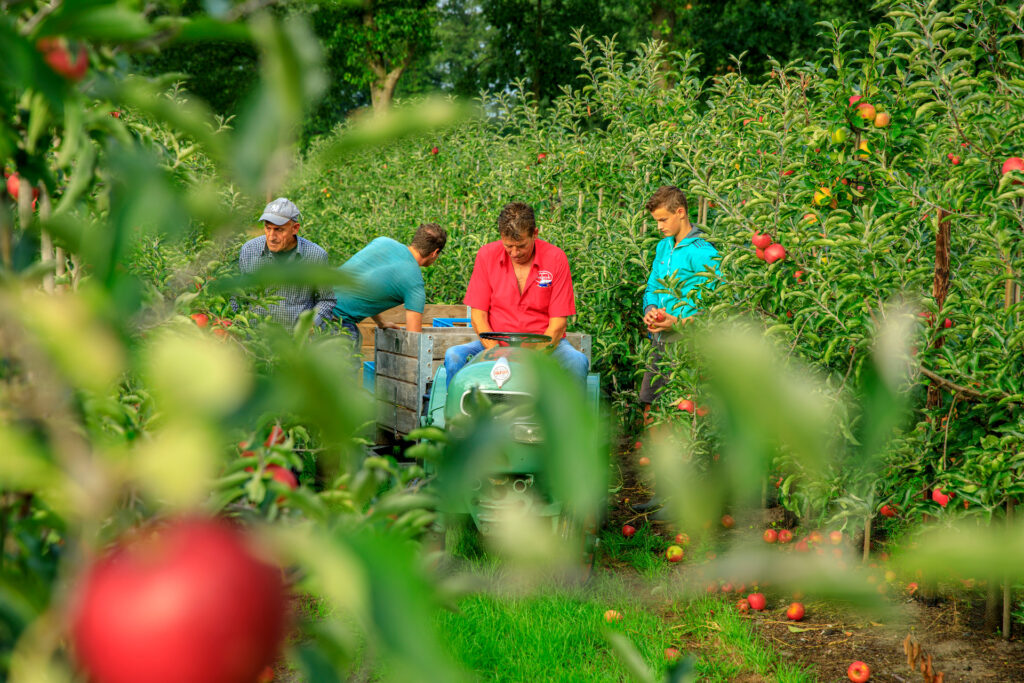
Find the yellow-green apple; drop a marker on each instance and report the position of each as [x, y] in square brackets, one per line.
[674, 553]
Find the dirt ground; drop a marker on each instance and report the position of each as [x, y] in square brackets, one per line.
[950, 630]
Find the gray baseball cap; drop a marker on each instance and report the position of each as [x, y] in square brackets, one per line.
[280, 211]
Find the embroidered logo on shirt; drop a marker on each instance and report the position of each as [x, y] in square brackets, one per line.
[544, 278]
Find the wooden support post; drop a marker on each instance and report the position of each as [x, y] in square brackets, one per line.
[46, 252]
[867, 540]
[1007, 586]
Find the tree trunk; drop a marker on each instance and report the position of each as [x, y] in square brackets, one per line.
[663, 20]
[382, 90]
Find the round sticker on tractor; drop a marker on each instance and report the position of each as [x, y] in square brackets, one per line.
[501, 372]
[544, 278]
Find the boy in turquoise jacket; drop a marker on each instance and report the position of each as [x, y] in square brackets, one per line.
[679, 274]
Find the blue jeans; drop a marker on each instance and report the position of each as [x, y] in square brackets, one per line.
[566, 355]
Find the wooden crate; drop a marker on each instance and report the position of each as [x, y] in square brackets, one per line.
[405, 363]
[397, 315]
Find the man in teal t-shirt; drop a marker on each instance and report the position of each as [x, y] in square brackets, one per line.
[386, 273]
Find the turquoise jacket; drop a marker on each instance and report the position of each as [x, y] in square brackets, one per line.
[684, 262]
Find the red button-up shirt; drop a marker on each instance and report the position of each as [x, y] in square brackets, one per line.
[548, 293]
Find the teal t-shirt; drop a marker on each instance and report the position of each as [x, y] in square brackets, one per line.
[386, 274]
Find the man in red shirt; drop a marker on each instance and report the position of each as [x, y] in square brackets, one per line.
[520, 284]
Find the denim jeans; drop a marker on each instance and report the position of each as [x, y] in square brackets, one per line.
[567, 356]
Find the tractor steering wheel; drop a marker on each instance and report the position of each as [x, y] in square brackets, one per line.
[516, 338]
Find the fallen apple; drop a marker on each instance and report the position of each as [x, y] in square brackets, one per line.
[815, 537]
[628, 531]
[682, 539]
[795, 611]
[643, 461]
[859, 672]
[742, 605]
[757, 601]
[770, 536]
[785, 535]
[674, 553]
[836, 537]
[671, 654]
[801, 546]
[434, 150]
[611, 616]
[728, 521]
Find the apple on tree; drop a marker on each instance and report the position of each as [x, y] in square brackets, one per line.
[1013, 164]
[57, 54]
[882, 119]
[761, 240]
[189, 601]
[686, 405]
[774, 252]
[866, 112]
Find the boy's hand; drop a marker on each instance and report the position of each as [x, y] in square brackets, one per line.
[655, 315]
[668, 323]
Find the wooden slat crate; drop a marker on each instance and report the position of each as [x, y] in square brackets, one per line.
[405, 363]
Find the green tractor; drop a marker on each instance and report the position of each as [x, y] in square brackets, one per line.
[501, 382]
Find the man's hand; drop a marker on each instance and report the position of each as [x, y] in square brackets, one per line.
[389, 326]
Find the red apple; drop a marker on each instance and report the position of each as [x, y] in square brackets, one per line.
[686, 404]
[671, 654]
[283, 475]
[882, 119]
[674, 553]
[785, 535]
[116, 114]
[787, 173]
[759, 253]
[276, 436]
[57, 54]
[643, 461]
[866, 111]
[728, 521]
[1014, 164]
[628, 531]
[14, 187]
[854, 99]
[702, 411]
[757, 601]
[200, 319]
[859, 672]
[187, 602]
[761, 240]
[682, 539]
[727, 587]
[659, 316]
[611, 616]
[801, 546]
[947, 323]
[887, 511]
[939, 497]
[774, 252]
[795, 611]
[742, 606]
[798, 275]
[434, 150]
[836, 537]
[815, 537]
[770, 535]
[541, 156]
[954, 159]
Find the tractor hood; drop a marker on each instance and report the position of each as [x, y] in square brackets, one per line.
[500, 372]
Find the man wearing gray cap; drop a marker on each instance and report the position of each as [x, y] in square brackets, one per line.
[280, 244]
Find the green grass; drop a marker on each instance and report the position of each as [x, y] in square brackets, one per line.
[558, 636]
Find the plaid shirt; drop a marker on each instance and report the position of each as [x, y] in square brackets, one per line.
[294, 299]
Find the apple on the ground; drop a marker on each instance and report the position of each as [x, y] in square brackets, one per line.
[770, 536]
[859, 672]
[674, 553]
[628, 531]
[757, 601]
[795, 611]
[611, 616]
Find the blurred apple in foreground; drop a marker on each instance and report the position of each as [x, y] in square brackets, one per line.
[189, 601]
